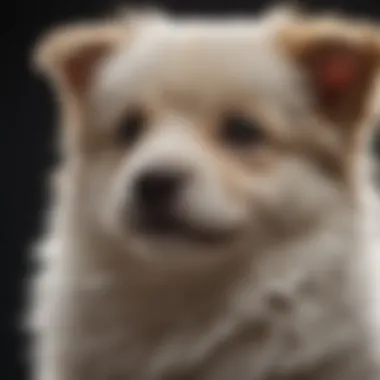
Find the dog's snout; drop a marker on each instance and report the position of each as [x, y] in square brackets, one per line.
[158, 188]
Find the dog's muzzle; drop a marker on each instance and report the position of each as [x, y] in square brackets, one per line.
[157, 195]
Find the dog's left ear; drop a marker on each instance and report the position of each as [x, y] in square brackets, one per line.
[69, 55]
[341, 60]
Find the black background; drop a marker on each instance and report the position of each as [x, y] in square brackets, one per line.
[27, 119]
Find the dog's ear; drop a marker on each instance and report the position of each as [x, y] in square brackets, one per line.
[69, 55]
[341, 60]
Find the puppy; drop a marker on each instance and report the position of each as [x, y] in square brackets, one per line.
[213, 216]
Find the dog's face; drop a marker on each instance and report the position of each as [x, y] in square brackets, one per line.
[202, 137]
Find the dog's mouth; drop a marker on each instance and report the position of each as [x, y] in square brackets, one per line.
[170, 227]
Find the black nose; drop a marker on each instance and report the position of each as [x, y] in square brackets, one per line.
[156, 190]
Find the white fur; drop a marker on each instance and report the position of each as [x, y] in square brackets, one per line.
[291, 292]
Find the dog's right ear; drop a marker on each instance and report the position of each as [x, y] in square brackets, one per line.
[341, 61]
[70, 55]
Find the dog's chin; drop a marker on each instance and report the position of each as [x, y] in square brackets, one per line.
[181, 236]
[183, 246]
[184, 233]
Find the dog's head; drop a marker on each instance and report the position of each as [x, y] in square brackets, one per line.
[198, 136]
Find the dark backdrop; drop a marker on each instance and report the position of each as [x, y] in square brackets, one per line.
[27, 127]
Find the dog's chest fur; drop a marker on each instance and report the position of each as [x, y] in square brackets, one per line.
[281, 318]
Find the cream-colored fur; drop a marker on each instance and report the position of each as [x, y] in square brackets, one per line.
[289, 291]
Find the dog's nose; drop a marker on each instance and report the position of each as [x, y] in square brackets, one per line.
[157, 189]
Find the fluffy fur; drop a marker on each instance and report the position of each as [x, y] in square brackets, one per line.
[287, 287]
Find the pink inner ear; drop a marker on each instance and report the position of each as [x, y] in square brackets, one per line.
[338, 72]
[79, 69]
[77, 74]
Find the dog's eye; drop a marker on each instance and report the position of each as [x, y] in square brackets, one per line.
[131, 128]
[240, 131]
